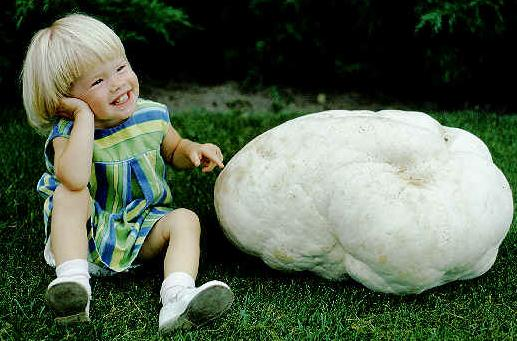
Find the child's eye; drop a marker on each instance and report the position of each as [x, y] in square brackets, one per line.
[97, 82]
[121, 67]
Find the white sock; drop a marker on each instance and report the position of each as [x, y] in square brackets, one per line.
[175, 282]
[76, 270]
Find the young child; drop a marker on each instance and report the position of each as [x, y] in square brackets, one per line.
[108, 204]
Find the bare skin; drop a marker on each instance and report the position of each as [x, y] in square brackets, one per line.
[178, 234]
[69, 217]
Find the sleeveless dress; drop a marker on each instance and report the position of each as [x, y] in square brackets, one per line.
[128, 188]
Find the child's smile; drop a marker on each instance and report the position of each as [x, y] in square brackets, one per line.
[111, 90]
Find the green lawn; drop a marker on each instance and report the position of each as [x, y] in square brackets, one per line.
[269, 304]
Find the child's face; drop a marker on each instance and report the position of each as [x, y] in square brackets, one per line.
[110, 89]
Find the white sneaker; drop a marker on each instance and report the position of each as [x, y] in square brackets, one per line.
[195, 306]
[70, 300]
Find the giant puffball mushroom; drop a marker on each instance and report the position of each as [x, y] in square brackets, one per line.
[392, 198]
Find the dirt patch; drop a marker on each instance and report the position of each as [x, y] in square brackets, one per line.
[229, 96]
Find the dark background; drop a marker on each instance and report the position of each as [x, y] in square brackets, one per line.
[459, 53]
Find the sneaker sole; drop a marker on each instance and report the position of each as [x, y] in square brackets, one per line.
[204, 307]
[69, 301]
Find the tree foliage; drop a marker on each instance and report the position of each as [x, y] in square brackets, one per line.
[451, 44]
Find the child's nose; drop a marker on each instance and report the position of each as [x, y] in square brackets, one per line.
[116, 84]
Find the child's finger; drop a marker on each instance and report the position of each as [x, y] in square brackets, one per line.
[212, 156]
[195, 159]
[209, 167]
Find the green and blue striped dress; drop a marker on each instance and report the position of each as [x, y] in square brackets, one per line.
[127, 185]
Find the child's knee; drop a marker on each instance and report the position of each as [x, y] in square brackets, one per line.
[184, 221]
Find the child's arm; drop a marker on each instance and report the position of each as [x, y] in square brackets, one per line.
[73, 156]
[186, 154]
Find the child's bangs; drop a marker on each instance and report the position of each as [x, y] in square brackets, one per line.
[87, 57]
[87, 53]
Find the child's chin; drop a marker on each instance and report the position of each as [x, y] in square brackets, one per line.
[130, 110]
[127, 110]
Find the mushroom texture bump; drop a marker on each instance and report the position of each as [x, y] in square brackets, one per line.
[392, 198]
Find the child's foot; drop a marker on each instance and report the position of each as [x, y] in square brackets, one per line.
[195, 306]
[69, 299]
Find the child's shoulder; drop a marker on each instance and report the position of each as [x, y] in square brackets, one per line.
[146, 105]
[147, 110]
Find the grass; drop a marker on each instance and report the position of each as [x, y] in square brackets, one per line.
[269, 304]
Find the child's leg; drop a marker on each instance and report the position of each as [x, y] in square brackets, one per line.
[184, 305]
[69, 294]
[178, 233]
[71, 210]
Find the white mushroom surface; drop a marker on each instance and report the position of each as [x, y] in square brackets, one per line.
[392, 198]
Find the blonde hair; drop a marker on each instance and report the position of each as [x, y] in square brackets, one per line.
[57, 56]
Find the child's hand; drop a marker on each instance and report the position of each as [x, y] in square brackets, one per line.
[209, 155]
[69, 107]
